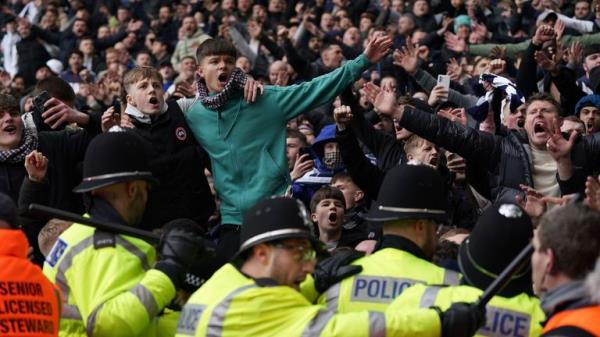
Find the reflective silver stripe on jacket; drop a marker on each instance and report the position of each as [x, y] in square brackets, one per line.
[142, 293]
[215, 323]
[376, 324]
[429, 296]
[332, 296]
[318, 323]
[451, 277]
[71, 311]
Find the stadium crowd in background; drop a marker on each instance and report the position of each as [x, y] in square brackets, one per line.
[400, 127]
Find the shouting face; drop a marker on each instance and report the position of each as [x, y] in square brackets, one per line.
[538, 118]
[146, 95]
[216, 69]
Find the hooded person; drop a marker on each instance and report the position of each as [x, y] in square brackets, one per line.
[328, 162]
[501, 233]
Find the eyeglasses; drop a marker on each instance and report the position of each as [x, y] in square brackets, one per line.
[301, 253]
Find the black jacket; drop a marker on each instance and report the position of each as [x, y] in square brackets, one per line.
[506, 158]
[65, 151]
[178, 162]
[32, 55]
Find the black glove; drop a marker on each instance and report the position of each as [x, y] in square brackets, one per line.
[201, 269]
[462, 320]
[179, 248]
[333, 269]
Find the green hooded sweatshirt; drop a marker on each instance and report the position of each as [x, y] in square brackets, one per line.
[247, 142]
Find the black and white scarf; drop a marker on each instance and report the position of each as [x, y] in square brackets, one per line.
[235, 83]
[30, 143]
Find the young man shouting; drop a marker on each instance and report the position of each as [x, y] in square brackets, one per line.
[246, 143]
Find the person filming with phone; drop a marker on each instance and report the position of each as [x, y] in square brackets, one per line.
[40, 155]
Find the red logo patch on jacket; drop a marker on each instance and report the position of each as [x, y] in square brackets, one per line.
[181, 134]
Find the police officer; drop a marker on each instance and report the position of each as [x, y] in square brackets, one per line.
[411, 203]
[112, 285]
[500, 234]
[566, 248]
[29, 303]
[257, 295]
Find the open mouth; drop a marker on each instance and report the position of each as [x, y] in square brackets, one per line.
[332, 217]
[223, 78]
[10, 128]
[153, 100]
[520, 123]
[589, 126]
[539, 128]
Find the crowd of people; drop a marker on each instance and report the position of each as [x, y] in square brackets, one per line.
[302, 168]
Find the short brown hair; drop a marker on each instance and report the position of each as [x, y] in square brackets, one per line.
[341, 176]
[8, 103]
[546, 98]
[140, 73]
[294, 133]
[57, 88]
[572, 233]
[213, 47]
[326, 192]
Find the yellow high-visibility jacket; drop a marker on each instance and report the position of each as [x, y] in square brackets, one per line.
[108, 285]
[231, 304]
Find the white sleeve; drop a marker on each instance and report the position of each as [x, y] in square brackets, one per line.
[582, 26]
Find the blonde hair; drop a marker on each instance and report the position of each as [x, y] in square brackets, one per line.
[413, 142]
[140, 73]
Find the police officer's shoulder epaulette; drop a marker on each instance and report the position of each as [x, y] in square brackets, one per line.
[104, 239]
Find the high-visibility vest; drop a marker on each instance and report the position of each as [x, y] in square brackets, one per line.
[518, 316]
[385, 275]
[230, 304]
[29, 302]
[585, 318]
[108, 285]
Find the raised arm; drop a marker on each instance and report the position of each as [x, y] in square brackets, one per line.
[296, 99]
[464, 141]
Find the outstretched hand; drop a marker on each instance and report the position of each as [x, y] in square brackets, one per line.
[407, 58]
[533, 203]
[592, 193]
[384, 101]
[378, 48]
[557, 145]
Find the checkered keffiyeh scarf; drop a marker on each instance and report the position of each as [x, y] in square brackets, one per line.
[235, 83]
[30, 143]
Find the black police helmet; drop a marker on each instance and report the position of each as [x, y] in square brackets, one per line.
[275, 219]
[501, 233]
[112, 158]
[410, 192]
